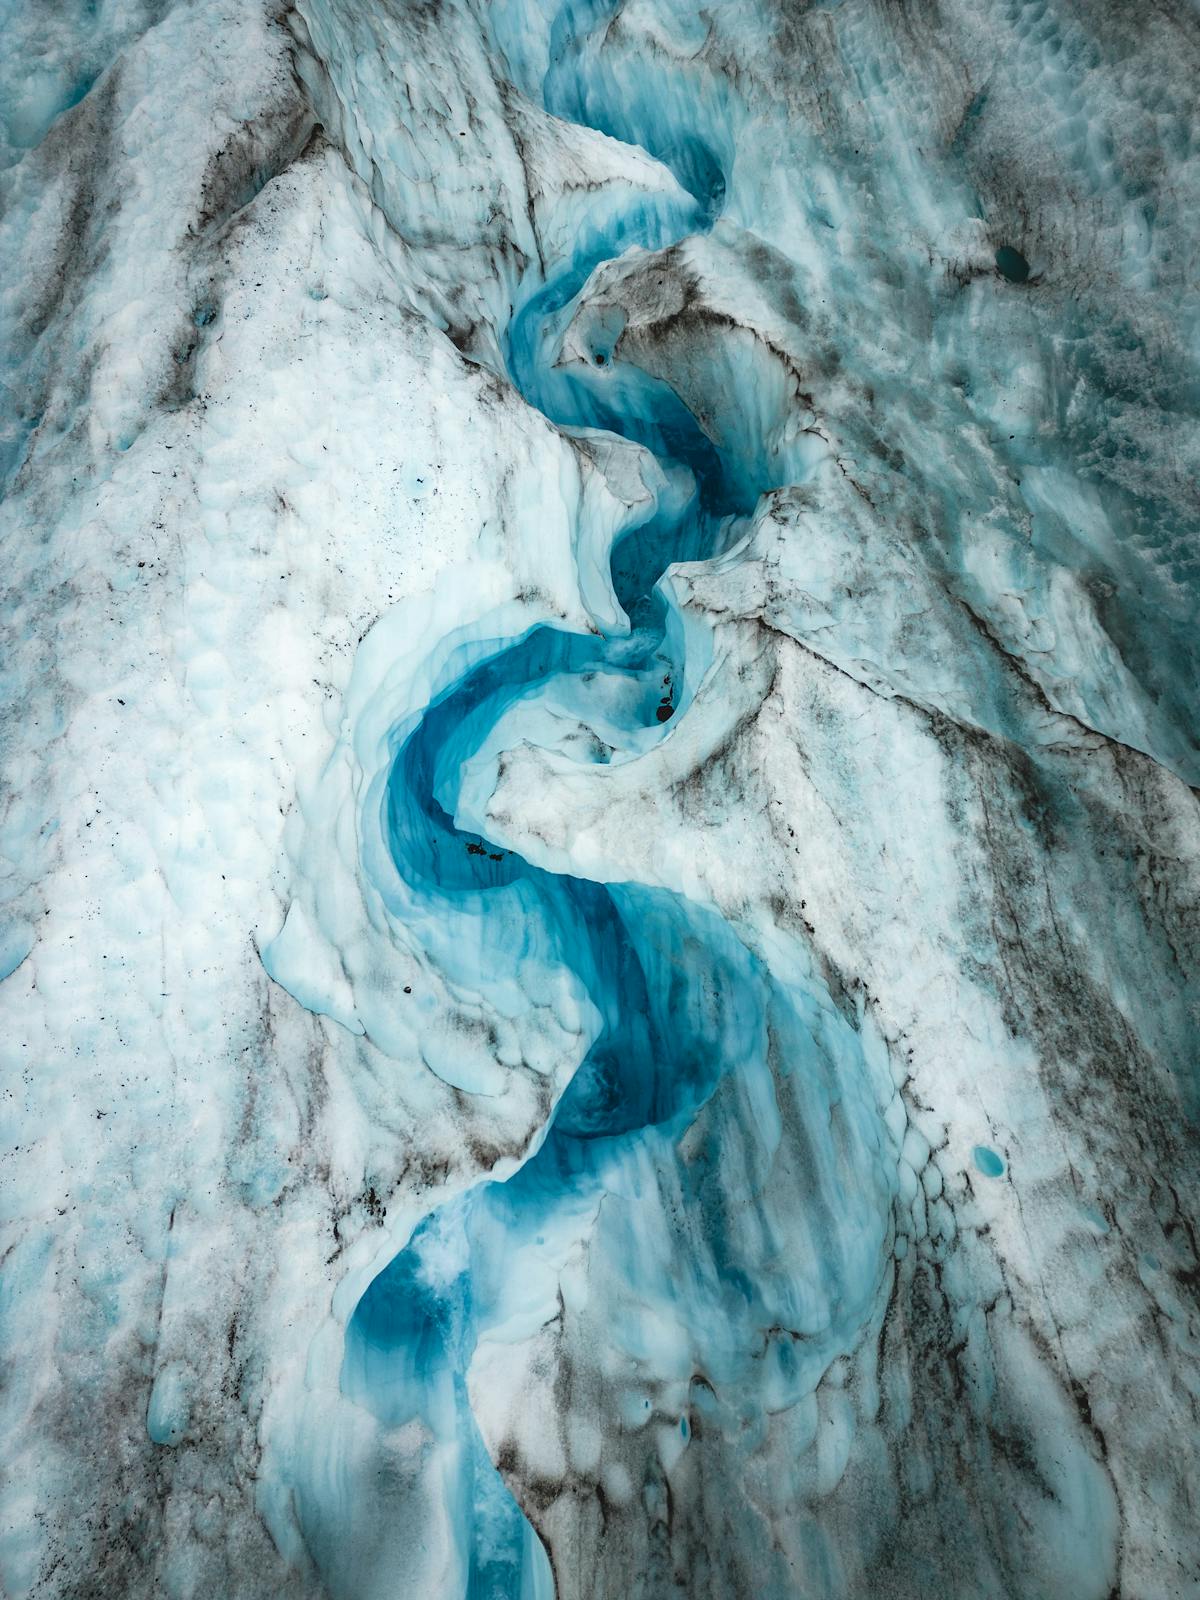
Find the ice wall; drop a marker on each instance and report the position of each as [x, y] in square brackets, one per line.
[601, 928]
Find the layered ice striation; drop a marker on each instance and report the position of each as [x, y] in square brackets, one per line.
[602, 937]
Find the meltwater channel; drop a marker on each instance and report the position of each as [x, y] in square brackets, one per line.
[683, 1004]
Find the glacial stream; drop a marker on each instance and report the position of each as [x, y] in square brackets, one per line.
[683, 1006]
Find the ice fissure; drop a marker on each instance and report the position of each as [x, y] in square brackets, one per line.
[601, 921]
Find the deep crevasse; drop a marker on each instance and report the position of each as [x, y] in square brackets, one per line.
[722, 857]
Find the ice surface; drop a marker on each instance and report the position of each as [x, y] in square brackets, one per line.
[600, 929]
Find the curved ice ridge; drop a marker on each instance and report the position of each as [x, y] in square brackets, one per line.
[683, 1009]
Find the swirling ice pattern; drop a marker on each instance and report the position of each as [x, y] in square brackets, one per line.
[685, 1007]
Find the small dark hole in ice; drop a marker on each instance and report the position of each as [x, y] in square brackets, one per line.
[600, 358]
[665, 713]
[1011, 264]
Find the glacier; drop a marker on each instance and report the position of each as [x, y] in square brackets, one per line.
[600, 954]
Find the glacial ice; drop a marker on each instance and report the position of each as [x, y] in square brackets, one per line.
[600, 937]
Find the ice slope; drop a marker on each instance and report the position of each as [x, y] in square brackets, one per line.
[601, 924]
